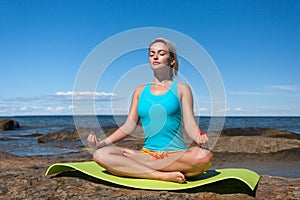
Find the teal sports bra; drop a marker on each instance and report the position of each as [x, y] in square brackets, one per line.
[161, 118]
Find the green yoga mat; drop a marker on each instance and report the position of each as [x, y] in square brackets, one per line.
[91, 168]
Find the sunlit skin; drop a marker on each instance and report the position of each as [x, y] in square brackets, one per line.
[159, 56]
[133, 163]
[160, 62]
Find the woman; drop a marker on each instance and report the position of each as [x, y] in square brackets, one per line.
[161, 106]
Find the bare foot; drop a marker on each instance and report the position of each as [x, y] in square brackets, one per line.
[138, 157]
[177, 177]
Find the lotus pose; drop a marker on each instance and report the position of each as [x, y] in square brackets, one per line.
[162, 106]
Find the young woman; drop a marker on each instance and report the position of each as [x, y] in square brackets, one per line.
[161, 106]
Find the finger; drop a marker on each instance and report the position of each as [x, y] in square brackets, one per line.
[97, 141]
[129, 151]
[204, 138]
[90, 138]
[92, 133]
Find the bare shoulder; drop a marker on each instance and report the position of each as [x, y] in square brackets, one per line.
[183, 89]
[138, 90]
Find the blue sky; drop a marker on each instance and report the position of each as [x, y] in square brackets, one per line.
[255, 45]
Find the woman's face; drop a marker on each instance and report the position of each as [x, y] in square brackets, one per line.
[159, 56]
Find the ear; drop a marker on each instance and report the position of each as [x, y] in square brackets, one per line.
[172, 61]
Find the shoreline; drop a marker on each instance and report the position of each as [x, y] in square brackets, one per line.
[23, 177]
[266, 151]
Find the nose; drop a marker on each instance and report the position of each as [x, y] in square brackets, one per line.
[155, 57]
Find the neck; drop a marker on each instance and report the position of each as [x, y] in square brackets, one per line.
[162, 83]
[162, 77]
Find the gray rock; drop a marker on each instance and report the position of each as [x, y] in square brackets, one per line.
[8, 124]
[66, 134]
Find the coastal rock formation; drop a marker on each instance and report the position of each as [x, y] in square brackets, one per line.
[8, 124]
[23, 178]
[260, 150]
[254, 140]
[256, 131]
[66, 134]
[248, 140]
[255, 144]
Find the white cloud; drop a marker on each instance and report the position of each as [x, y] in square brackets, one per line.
[49, 108]
[203, 109]
[238, 109]
[70, 107]
[28, 108]
[69, 96]
[23, 108]
[230, 110]
[87, 95]
[249, 93]
[284, 87]
[59, 108]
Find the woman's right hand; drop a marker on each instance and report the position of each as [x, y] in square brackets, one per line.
[93, 141]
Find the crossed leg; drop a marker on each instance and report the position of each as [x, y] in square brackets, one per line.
[114, 160]
[191, 163]
[132, 163]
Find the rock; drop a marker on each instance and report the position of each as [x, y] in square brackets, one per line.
[253, 141]
[272, 187]
[32, 135]
[24, 178]
[16, 124]
[70, 134]
[66, 134]
[255, 131]
[8, 124]
[255, 144]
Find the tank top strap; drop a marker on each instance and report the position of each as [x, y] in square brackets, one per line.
[173, 88]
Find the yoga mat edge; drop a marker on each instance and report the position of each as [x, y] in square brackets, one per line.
[250, 178]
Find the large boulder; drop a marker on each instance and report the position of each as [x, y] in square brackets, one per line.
[66, 134]
[8, 124]
[255, 144]
[254, 141]
[257, 131]
[69, 134]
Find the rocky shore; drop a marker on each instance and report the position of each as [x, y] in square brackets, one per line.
[262, 150]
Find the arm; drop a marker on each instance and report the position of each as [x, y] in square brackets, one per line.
[126, 129]
[190, 124]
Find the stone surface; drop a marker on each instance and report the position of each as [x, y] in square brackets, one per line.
[256, 131]
[66, 134]
[8, 124]
[254, 144]
[23, 178]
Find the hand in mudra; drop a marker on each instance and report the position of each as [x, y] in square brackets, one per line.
[93, 141]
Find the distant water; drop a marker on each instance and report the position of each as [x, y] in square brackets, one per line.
[20, 142]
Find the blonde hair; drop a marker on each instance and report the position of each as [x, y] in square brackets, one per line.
[172, 51]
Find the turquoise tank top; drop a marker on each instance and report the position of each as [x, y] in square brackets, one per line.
[161, 119]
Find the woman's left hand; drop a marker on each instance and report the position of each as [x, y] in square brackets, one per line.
[202, 138]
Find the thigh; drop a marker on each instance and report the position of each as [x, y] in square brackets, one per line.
[114, 150]
[109, 150]
[191, 158]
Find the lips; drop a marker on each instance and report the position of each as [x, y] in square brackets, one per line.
[156, 63]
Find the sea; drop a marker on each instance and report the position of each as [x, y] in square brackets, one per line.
[23, 142]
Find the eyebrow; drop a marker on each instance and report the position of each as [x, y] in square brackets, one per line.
[161, 50]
